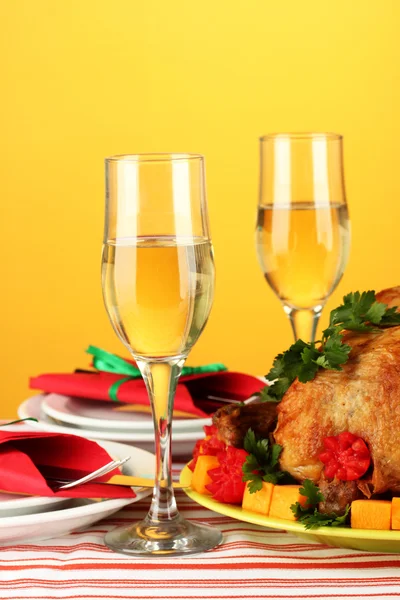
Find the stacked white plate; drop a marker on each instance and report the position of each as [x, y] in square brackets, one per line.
[28, 518]
[107, 421]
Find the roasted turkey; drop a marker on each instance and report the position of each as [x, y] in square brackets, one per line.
[363, 398]
[234, 420]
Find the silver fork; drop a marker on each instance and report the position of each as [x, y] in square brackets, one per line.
[94, 475]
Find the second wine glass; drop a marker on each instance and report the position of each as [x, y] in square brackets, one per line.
[303, 227]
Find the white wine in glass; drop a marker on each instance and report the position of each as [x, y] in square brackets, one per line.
[160, 290]
[303, 227]
[158, 286]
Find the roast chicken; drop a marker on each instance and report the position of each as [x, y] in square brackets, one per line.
[363, 398]
[234, 420]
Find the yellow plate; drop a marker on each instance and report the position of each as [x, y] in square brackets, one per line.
[340, 537]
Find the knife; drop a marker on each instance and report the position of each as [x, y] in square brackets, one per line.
[128, 480]
[66, 475]
[133, 481]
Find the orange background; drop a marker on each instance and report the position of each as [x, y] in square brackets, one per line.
[83, 80]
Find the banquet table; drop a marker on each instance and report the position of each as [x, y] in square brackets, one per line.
[252, 562]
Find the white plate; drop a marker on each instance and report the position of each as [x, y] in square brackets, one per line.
[182, 442]
[46, 525]
[14, 504]
[92, 414]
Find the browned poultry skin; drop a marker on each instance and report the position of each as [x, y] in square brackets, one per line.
[338, 495]
[233, 421]
[364, 399]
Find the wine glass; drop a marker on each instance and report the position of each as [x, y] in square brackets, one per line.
[303, 227]
[158, 287]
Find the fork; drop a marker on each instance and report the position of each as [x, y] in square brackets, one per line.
[94, 475]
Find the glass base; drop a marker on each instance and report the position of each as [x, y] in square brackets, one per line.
[171, 538]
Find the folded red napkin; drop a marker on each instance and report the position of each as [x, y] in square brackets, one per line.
[25, 456]
[195, 395]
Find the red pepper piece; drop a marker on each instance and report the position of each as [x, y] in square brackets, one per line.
[227, 485]
[345, 456]
[196, 454]
[210, 429]
[210, 446]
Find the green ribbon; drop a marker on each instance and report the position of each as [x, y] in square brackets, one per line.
[113, 389]
[111, 363]
[19, 421]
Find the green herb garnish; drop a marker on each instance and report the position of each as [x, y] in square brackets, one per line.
[359, 312]
[317, 519]
[310, 515]
[262, 462]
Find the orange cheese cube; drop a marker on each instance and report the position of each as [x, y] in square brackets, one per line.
[371, 514]
[396, 513]
[283, 496]
[260, 501]
[200, 477]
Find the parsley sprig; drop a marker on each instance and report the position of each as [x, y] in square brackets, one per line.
[262, 462]
[359, 312]
[310, 515]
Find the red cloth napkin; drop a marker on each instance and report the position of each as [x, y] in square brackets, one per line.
[24, 455]
[192, 395]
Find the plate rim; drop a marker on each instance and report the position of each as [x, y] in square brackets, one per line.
[115, 436]
[235, 512]
[94, 423]
[27, 501]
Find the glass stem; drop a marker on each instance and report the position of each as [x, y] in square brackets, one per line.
[304, 321]
[161, 379]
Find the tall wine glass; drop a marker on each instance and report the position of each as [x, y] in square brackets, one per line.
[303, 228]
[158, 287]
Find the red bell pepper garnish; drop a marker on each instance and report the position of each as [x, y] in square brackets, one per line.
[196, 454]
[345, 456]
[210, 429]
[211, 445]
[227, 485]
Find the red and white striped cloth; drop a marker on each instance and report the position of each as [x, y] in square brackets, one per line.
[253, 562]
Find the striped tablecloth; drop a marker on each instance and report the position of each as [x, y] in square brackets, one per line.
[252, 562]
